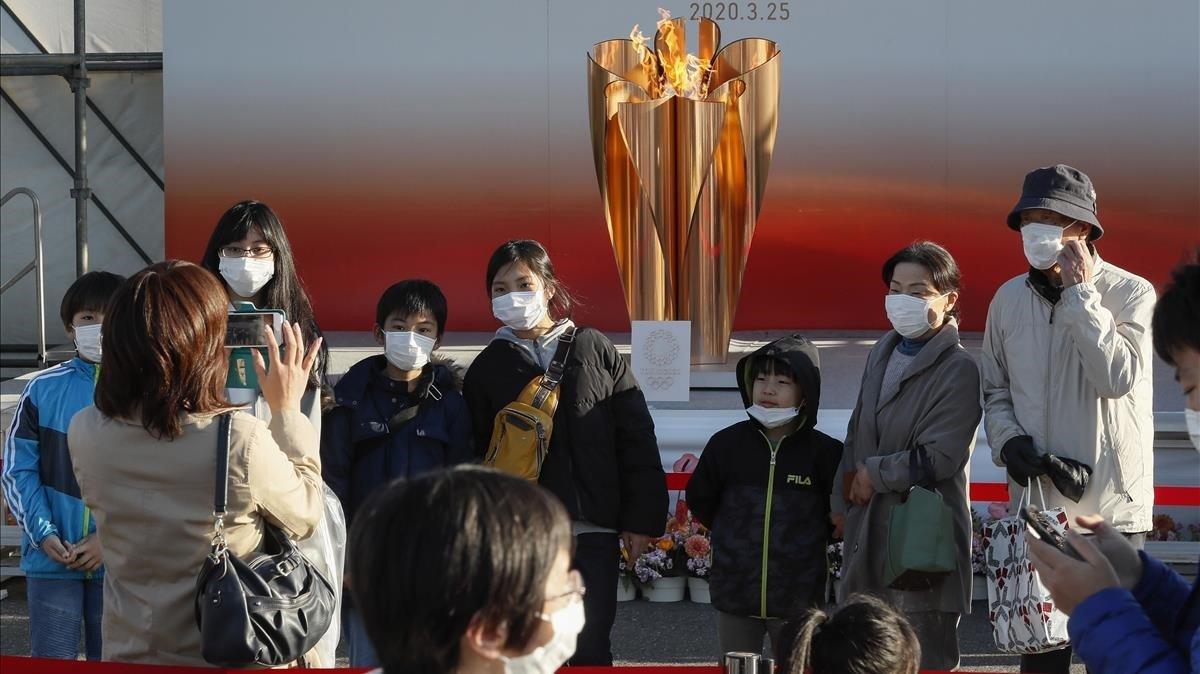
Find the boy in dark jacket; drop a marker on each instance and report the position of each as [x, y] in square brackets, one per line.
[762, 486]
[396, 415]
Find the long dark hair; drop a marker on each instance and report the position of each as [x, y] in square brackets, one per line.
[936, 260]
[533, 255]
[163, 348]
[428, 555]
[864, 636]
[284, 290]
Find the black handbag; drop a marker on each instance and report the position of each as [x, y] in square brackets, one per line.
[266, 610]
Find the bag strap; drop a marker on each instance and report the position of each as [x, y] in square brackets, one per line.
[919, 464]
[221, 488]
[558, 366]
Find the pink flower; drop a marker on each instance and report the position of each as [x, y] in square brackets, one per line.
[697, 546]
[997, 510]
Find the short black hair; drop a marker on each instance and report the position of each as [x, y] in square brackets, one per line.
[412, 296]
[1176, 322]
[533, 255]
[428, 555]
[934, 258]
[90, 292]
[770, 365]
[864, 636]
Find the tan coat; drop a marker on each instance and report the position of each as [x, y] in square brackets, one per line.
[153, 500]
[936, 407]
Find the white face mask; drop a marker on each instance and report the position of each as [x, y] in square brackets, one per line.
[772, 417]
[1192, 417]
[407, 350]
[567, 623]
[1042, 244]
[247, 275]
[87, 342]
[520, 311]
[909, 315]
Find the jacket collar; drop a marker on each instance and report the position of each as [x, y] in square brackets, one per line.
[946, 339]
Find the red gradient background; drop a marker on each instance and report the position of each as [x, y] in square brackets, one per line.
[897, 123]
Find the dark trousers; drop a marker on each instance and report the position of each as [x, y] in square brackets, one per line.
[596, 561]
[1059, 662]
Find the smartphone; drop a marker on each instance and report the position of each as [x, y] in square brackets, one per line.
[1045, 530]
[245, 328]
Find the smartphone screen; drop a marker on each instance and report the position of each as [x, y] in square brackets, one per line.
[246, 329]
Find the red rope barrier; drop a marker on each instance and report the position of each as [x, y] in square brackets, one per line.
[998, 491]
[15, 664]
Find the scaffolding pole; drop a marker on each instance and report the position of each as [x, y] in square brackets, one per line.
[81, 192]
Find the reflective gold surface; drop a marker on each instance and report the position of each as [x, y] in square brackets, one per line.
[682, 179]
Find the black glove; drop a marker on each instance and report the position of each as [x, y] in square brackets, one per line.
[1022, 459]
[1069, 476]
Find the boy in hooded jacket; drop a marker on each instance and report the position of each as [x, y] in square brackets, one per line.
[396, 415]
[762, 487]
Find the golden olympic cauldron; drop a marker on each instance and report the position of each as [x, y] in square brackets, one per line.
[682, 144]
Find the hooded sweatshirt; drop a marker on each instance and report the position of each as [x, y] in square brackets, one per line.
[768, 506]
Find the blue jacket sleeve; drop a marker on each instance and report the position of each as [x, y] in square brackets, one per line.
[1113, 616]
[337, 453]
[23, 489]
[1161, 592]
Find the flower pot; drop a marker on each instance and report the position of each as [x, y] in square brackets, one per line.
[698, 590]
[665, 589]
[626, 590]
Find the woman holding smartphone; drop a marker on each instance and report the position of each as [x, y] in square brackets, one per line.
[603, 462]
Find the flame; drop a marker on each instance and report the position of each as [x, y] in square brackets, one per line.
[670, 71]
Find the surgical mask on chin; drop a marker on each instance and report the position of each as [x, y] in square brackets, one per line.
[407, 351]
[520, 311]
[246, 275]
[1042, 244]
[772, 417]
[87, 342]
[909, 315]
[1192, 417]
[567, 623]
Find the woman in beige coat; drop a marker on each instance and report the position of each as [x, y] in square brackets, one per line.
[145, 456]
[920, 389]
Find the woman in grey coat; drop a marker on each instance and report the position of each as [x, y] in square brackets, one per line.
[920, 389]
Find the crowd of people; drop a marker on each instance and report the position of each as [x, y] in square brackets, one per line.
[455, 567]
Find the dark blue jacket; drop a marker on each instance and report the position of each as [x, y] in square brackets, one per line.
[360, 452]
[1152, 630]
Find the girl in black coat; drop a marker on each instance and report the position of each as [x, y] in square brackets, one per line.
[603, 462]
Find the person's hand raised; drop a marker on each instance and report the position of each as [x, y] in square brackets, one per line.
[283, 385]
[1070, 580]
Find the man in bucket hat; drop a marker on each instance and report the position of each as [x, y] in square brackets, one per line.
[1066, 367]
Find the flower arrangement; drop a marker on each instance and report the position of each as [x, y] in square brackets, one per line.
[833, 559]
[657, 563]
[1167, 529]
[699, 554]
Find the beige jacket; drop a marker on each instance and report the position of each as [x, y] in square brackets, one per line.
[936, 407]
[153, 502]
[1076, 377]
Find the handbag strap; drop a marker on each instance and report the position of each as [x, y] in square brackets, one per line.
[558, 366]
[221, 484]
[919, 466]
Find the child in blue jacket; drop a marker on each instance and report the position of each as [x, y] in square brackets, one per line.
[60, 552]
[396, 415]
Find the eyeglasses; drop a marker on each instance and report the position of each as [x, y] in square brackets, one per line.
[258, 252]
[575, 588]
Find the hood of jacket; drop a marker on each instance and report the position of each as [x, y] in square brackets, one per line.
[799, 353]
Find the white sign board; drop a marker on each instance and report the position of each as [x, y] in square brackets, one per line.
[662, 359]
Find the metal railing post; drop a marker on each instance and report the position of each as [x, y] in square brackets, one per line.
[81, 193]
[36, 267]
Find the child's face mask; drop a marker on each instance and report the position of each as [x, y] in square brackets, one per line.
[87, 341]
[520, 310]
[406, 350]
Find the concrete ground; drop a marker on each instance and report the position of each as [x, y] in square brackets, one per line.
[645, 634]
